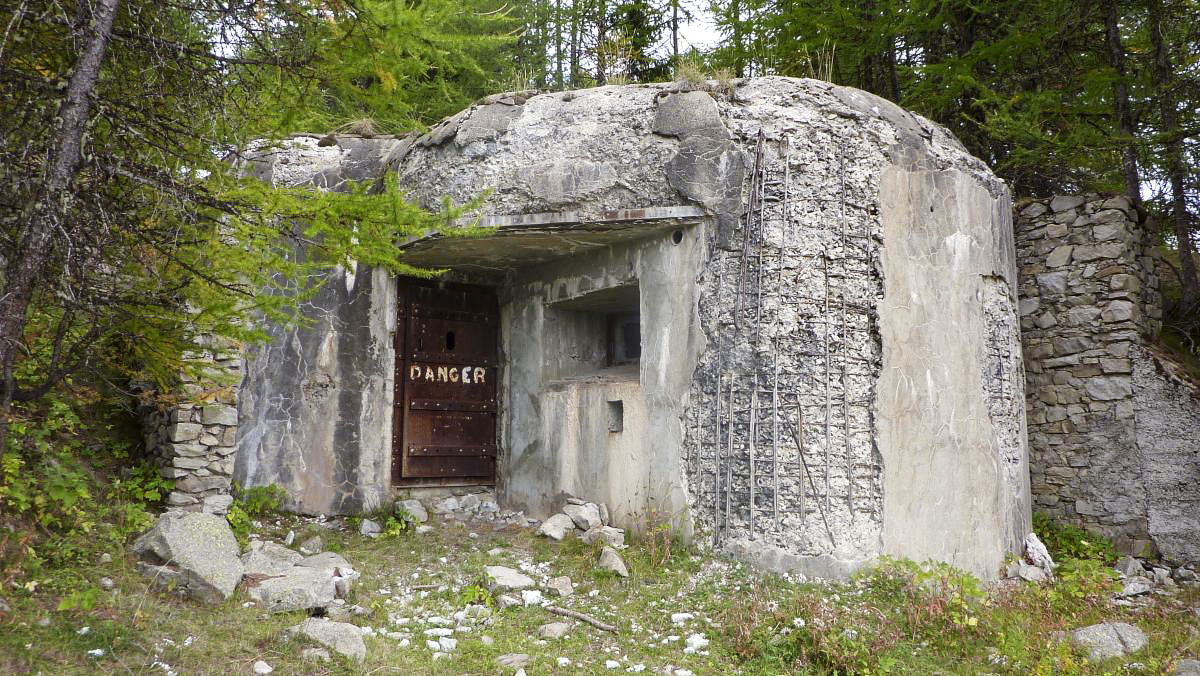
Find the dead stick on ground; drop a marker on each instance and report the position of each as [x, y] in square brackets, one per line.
[566, 612]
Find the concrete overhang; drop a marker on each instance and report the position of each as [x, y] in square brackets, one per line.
[528, 239]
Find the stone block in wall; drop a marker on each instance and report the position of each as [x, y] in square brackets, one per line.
[217, 414]
[184, 431]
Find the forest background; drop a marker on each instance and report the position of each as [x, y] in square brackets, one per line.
[127, 233]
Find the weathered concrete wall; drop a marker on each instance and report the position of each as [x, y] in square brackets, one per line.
[1168, 434]
[787, 300]
[554, 424]
[315, 406]
[757, 415]
[951, 392]
[1113, 436]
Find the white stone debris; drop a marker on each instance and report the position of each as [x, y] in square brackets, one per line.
[261, 667]
[695, 643]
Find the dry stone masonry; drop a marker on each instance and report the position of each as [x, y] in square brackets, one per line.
[192, 432]
[1113, 433]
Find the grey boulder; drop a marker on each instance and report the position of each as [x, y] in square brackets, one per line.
[415, 508]
[196, 552]
[553, 630]
[585, 517]
[1109, 639]
[339, 636]
[505, 578]
[611, 561]
[299, 589]
[556, 527]
[269, 558]
[613, 537]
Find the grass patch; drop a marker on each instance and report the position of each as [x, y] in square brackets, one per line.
[900, 617]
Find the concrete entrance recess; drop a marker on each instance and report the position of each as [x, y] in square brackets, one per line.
[780, 315]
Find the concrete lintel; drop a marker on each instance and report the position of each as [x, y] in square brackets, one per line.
[526, 239]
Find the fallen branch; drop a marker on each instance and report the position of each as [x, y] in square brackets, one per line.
[566, 612]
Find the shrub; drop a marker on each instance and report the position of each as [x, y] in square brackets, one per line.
[1067, 541]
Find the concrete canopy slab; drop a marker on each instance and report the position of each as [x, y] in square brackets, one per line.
[529, 239]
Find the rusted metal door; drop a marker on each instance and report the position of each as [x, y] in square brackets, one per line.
[446, 352]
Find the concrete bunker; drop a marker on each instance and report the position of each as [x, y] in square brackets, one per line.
[822, 289]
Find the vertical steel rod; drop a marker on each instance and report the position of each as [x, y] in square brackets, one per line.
[845, 344]
[828, 401]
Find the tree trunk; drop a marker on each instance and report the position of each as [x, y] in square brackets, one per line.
[1164, 80]
[35, 247]
[675, 31]
[1124, 115]
[601, 38]
[574, 45]
[558, 46]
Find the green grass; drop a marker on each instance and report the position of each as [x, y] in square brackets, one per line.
[901, 618]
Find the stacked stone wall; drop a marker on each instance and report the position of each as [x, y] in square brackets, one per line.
[1089, 303]
[192, 432]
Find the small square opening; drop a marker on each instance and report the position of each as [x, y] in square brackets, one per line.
[594, 334]
[616, 416]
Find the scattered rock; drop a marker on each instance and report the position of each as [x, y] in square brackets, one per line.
[198, 552]
[1037, 554]
[4, 607]
[468, 503]
[506, 601]
[343, 638]
[585, 517]
[1135, 586]
[301, 588]
[261, 667]
[106, 583]
[369, 528]
[505, 578]
[531, 597]
[1109, 639]
[561, 585]
[554, 630]
[105, 558]
[604, 515]
[326, 560]
[680, 618]
[314, 655]
[313, 545]
[269, 558]
[291, 538]
[556, 527]
[446, 505]
[613, 537]
[415, 508]
[1188, 668]
[513, 660]
[1031, 573]
[1129, 567]
[217, 504]
[695, 643]
[1182, 574]
[610, 560]
[423, 529]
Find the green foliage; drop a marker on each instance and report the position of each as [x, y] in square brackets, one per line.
[398, 65]
[253, 502]
[1066, 541]
[260, 500]
[476, 593]
[1082, 583]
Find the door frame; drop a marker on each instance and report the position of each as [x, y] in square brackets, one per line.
[400, 386]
